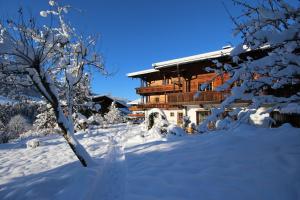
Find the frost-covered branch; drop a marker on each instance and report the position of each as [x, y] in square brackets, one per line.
[266, 65]
[53, 59]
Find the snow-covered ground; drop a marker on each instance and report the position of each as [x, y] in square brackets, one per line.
[245, 163]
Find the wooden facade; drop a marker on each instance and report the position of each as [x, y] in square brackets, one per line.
[180, 85]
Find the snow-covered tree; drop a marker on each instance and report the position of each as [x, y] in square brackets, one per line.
[271, 77]
[82, 100]
[114, 115]
[45, 121]
[3, 135]
[80, 120]
[27, 109]
[100, 120]
[54, 59]
[16, 126]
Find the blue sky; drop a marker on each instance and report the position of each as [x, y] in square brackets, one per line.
[136, 33]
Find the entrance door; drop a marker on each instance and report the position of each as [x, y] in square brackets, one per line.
[201, 116]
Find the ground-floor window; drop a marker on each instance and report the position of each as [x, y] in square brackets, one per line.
[179, 118]
[201, 116]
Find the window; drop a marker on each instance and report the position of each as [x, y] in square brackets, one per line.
[171, 114]
[179, 118]
[157, 99]
[209, 87]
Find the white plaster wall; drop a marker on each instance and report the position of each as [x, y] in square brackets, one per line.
[173, 119]
[138, 112]
[191, 112]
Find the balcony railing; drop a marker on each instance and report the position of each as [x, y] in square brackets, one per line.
[196, 97]
[155, 105]
[177, 100]
[158, 89]
[137, 115]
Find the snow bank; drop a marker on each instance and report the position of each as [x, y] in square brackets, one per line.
[245, 163]
[261, 118]
[33, 143]
[224, 123]
[175, 130]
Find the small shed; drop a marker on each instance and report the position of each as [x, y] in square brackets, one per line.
[106, 100]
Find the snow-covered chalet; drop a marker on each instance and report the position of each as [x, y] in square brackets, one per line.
[173, 86]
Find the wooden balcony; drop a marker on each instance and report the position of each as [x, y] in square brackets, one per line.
[137, 115]
[191, 98]
[158, 89]
[156, 105]
[177, 100]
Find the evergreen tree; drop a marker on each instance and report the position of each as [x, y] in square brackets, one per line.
[114, 115]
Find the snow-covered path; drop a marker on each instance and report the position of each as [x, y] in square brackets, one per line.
[110, 183]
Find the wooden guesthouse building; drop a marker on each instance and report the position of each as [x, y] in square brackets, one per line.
[174, 85]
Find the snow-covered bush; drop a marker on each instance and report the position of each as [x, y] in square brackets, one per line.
[45, 121]
[92, 120]
[80, 121]
[33, 143]
[225, 123]
[16, 126]
[173, 129]
[161, 126]
[186, 122]
[265, 67]
[261, 118]
[114, 115]
[97, 120]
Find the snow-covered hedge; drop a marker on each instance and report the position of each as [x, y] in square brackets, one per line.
[33, 143]
[175, 130]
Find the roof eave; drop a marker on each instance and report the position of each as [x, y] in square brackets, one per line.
[190, 59]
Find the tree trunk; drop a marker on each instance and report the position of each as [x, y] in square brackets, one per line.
[45, 87]
[67, 128]
[82, 155]
[76, 150]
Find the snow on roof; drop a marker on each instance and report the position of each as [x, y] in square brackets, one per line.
[135, 102]
[203, 56]
[227, 50]
[147, 71]
[117, 99]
